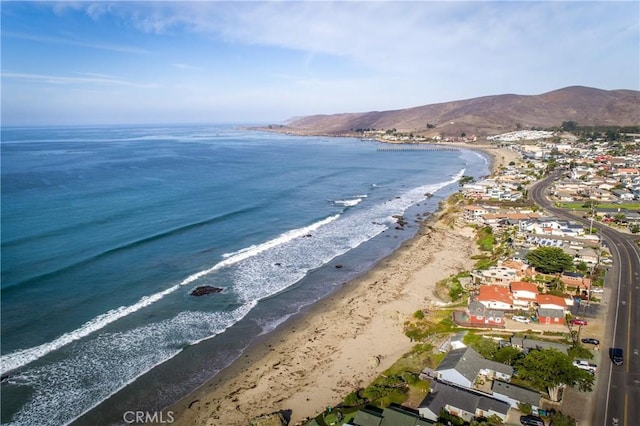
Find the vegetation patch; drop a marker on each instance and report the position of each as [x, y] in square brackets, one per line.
[484, 262]
[437, 322]
[485, 239]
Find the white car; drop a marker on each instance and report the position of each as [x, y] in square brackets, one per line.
[519, 318]
[585, 365]
[597, 290]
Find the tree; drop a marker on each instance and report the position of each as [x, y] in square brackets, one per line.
[549, 260]
[507, 355]
[552, 370]
[569, 126]
[582, 267]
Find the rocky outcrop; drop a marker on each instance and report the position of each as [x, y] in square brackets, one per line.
[205, 289]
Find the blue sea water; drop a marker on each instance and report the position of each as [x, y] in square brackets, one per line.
[106, 230]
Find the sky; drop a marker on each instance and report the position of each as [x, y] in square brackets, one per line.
[264, 62]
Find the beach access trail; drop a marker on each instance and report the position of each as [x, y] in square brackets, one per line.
[344, 341]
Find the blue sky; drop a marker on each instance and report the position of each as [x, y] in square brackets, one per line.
[264, 62]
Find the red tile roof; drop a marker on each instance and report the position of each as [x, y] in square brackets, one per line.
[524, 286]
[495, 293]
[550, 299]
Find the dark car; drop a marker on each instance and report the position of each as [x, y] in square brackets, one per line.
[616, 356]
[530, 420]
[591, 340]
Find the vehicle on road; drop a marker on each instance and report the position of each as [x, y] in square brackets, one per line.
[520, 318]
[578, 321]
[591, 340]
[530, 420]
[585, 365]
[616, 356]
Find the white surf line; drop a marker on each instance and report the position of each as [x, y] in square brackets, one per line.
[23, 357]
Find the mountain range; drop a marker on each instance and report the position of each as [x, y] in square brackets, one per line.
[486, 115]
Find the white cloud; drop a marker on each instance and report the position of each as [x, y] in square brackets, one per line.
[89, 78]
[71, 42]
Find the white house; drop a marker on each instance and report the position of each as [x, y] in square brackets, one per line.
[462, 366]
[524, 294]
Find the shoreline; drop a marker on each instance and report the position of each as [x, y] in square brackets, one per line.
[342, 342]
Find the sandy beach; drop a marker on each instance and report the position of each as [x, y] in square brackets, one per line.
[316, 359]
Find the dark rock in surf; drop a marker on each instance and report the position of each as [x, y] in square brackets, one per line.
[205, 289]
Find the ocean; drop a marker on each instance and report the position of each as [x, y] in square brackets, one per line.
[106, 230]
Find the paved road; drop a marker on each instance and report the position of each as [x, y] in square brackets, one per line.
[617, 394]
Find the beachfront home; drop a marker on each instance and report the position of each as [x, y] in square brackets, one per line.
[462, 367]
[514, 395]
[479, 314]
[495, 275]
[461, 402]
[474, 213]
[525, 294]
[495, 297]
[392, 415]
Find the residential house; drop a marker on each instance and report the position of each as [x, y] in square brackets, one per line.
[524, 294]
[461, 402]
[493, 218]
[514, 395]
[462, 367]
[394, 415]
[588, 255]
[474, 213]
[575, 280]
[550, 301]
[500, 274]
[567, 196]
[601, 195]
[623, 195]
[479, 314]
[495, 297]
[550, 316]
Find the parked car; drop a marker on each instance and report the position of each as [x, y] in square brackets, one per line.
[530, 420]
[597, 290]
[585, 365]
[578, 321]
[520, 318]
[591, 340]
[616, 356]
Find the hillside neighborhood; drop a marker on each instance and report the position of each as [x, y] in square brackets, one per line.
[526, 297]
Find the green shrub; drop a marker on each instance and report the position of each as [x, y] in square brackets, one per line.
[524, 407]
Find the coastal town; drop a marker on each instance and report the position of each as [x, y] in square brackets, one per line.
[516, 338]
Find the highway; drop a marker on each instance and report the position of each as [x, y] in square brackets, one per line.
[616, 399]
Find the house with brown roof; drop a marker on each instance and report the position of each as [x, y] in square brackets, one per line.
[575, 280]
[550, 301]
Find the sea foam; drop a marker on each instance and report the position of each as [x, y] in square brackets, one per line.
[23, 357]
